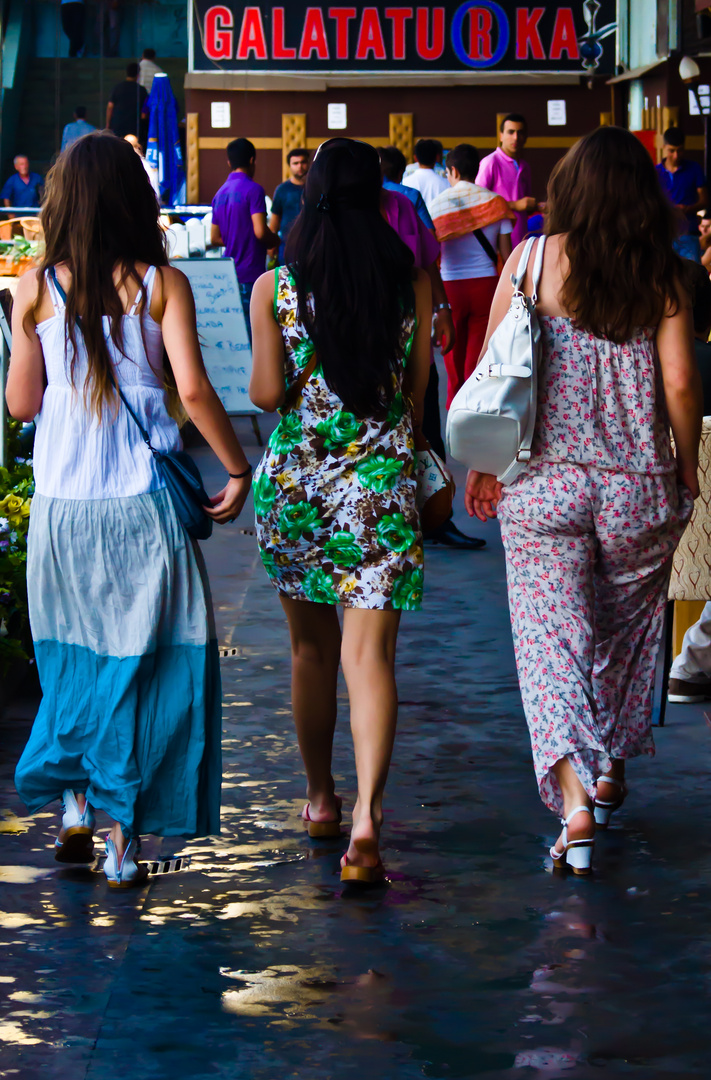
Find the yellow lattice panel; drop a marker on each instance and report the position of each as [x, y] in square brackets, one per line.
[193, 167]
[293, 136]
[401, 133]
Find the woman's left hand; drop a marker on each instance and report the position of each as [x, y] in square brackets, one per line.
[228, 503]
[482, 494]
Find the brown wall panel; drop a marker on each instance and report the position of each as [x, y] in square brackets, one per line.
[444, 112]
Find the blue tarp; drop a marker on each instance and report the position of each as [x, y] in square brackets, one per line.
[163, 152]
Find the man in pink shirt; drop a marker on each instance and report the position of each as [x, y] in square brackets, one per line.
[504, 173]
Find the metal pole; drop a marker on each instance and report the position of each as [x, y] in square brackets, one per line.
[5, 346]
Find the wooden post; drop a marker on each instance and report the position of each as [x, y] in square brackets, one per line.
[686, 613]
[193, 159]
[605, 119]
[400, 132]
[670, 116]
[293, 137]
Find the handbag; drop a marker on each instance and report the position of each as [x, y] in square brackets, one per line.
[492, 417]
[435, 488]
[178, 470]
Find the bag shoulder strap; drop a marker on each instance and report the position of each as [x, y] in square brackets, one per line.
[144, 434]
[517, 278]
[487, 245]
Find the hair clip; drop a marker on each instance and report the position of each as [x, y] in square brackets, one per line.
[323, 204]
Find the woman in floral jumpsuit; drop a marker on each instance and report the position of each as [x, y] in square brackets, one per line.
[591, 526]
[335, 492]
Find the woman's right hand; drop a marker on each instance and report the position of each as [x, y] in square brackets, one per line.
[228, 503]
[481, 494]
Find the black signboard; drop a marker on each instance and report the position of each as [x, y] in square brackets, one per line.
[455, 36]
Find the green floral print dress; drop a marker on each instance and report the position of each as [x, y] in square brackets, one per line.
[334, 495]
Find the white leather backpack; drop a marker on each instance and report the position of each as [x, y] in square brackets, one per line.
[492, 417]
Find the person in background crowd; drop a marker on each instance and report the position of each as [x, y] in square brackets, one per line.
[73, 15]
[239, 220]
[591, 525]
[126, 104]
[690, 675]
[392, 166]
[704, 220]
[399, 205]
[504, 173]
[120, 610]
[108, 27]
[76, 128]
[685, 184]
[474, 228]
[425, 179]
[438, 165]
[337, 523]
[286, 203]
[148, 69]
[151, 172]
[23, 188]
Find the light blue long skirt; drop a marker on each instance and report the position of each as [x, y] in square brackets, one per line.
[127, 657]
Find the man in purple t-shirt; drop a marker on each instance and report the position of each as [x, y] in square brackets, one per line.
[239, 220]
[506, 174]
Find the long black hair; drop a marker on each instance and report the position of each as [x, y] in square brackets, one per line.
[342, 252]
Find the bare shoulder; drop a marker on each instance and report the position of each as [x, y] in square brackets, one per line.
[28, 288]
[263, 291]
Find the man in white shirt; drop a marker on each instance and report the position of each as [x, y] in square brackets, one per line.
[470, 275]
[424, 179]
[147, 69]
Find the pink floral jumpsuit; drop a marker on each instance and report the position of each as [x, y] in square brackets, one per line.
[589, 531]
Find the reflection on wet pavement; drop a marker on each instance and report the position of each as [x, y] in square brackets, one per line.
[252, 963]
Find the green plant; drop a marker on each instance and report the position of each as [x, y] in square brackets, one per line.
[18, 248]
[16, 490]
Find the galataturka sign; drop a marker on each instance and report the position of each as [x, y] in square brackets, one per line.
[386, 38]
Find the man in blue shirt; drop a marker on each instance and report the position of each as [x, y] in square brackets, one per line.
[392, 166]
[24, 188]
[286, 203]
[685, 184]
[76, 128]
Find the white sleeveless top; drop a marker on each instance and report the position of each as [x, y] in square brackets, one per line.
[75, 457]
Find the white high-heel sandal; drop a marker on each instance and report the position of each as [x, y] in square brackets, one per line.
[604, 810]
[577, 854]
[78, 843]
[126, 872]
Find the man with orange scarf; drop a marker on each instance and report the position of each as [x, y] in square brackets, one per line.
[474, 228]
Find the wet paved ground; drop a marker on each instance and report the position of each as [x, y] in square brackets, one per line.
[476, 961]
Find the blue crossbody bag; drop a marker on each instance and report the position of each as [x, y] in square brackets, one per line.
[180, 473]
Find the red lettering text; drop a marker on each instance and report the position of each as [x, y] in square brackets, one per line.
[279, 49]
[370, 38]
[251, 36]
[218, 33]
[398, 17]
[564, 37]
[430, 46]
[481, 23]
[342, 16]
[313, 38]
[528, 40]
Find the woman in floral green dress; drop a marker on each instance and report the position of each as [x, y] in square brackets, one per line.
[341, 342]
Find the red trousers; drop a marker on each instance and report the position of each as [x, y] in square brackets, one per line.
[470, 300]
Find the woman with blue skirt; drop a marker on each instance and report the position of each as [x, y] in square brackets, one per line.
[119, 602]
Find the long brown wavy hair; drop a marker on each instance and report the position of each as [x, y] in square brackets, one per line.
[100, 213]
[606, 197]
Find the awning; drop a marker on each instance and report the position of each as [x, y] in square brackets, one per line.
[637, 73]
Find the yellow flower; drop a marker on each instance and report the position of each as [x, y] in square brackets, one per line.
[10, 504]
[353, 449]
[347, 585]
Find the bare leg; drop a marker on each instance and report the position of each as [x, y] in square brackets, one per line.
[315, 654]
[368, 657]
[582, 827]
[611, 792]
